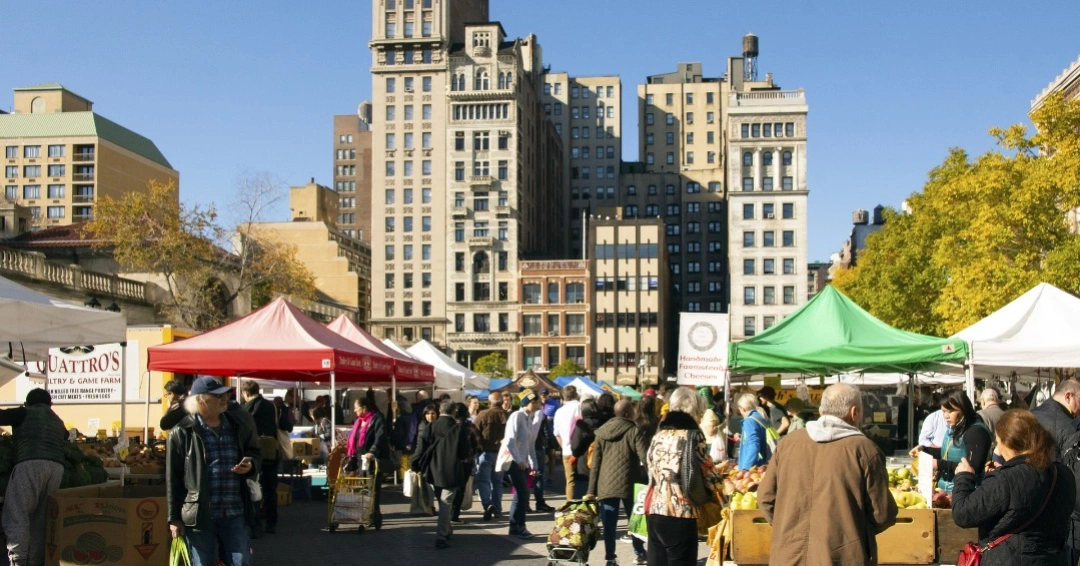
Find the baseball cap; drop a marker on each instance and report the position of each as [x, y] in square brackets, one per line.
[527, 396]
[208, 385]
[650, 392]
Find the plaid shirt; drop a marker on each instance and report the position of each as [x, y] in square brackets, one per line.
[222, 453]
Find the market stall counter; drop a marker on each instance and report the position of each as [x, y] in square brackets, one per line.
[920, 536]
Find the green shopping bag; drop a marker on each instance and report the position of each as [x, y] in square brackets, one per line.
[637, 527]
[178, 552]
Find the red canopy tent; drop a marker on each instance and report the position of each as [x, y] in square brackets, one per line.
[406, 369]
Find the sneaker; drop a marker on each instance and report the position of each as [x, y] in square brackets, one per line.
[611, 563]
[489, 512]
[458, 521]
[626, 539]
[641, 560]
[544, 509]
[440, 543]
[523, 534]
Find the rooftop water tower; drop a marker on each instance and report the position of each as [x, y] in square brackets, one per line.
[750, 54]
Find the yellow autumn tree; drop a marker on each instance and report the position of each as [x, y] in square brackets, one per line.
[187, 250]
[982, 232]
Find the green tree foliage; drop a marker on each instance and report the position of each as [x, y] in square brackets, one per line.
[567, 367]
[982, 232]
[492, 365]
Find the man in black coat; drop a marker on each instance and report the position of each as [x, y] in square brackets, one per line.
[266, 420]
[1058, 415]
[445, 471]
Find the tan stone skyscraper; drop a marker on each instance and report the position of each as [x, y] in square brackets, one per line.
[467, 174]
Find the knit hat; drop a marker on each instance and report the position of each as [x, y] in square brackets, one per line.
[527, 396]
[650, 392]
[38, 396]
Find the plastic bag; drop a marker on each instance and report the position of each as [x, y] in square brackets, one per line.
[178, 552]
[409, 483]
[637, 527]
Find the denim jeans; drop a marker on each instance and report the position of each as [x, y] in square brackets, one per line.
[538, 479]
[489, 481]
[609, 517]
[235, 545]
[521, 498]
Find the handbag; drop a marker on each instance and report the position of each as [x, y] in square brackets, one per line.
[971, 555]
[692, 480]
[285, 444]
[178, 552]
[505, 459]
[256, 489]
[408, 484]
[467, 499]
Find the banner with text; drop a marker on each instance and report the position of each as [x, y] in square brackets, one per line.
[703, 346]
[85, 373]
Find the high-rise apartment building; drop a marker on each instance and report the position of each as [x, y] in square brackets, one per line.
[467, 179]
[352, 173]
[587, 114]
[60, 156]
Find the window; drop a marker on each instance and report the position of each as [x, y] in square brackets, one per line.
[766, 158]
[689, 157]
[789, 266]
[748, 267]
[56, 151]
[748, 239]
[788, 238]
[789, 294]
[745, 131]
[425, 111]
[391, 113]
[32, 191]
[693, 227]
[768, 210]
[787, 183]
[768, 238]
[788, 210]
[748, 212]
[747, 183]
[56, 191]
[55, 212]
[749, 295]
[389, 251]
[768, 266]
[425, 196]
[11, 151]
[768, 295]
[504, 167]
[32, 151]
[408, 111]
[503, 230]
[755, 130]
[553, 293]
[749, 326]
[714, 227]
[789, 130]
[481, 322]
[459, 231]
[407, 225]
[11, 192]
[693, 206]
[575, 293]
[391, 85]
[459, 170]
[785, 158]
[530, 293]
[670, 158]
[669, 119]
[31, 171]
[766, 130]
[669, 99]
[480, 229]
[503, 261]
[767, 184]
[747, 159]
[426, 81]
[56, 170]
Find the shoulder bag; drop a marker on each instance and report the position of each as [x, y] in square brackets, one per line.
[972, 553]
[691, 477]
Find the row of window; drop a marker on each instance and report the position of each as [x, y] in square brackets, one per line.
[695, 267]
[713, 306]
[408, 57]
[82, 172]
[345, 154]
[583, 132]
[481, 322]
[574, 293]
[768, 266]
[768, 211]
[581, 92]
[481, 111]
[78, 213]
[345, 170]
[408, 112]
[642, 283]
[481, 292]
[572, 325]
[392, 5]
[768, 295]
[408, 169]
[83, 193]
[626, 251]
[480, 262]
[769, 130]
[481, 141]
[409, 83]
[407, 308]
[408, 333]
[480, 201]
[693, 227]
[408, 29]
[626, 320]
[481, 229]
[669, 98]
[345, 138]
[669, 118]
[787, 183]
[586, 192]
[407, 196]
[650, 159]
[601, 152]
[482, 169]
[481, 81]
[750, 324]
[766, 158]
[675, 248]
[585, 173]
[408, 140]
[407, 252]
[653, 210]
[629, 360]
[407, 224]
[691, 188]
[768, 238]
[12, 151]
[669, 137]
[407, 278]
[345, 186]
[531, 356]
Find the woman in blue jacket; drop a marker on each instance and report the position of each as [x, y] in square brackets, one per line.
[753, 443]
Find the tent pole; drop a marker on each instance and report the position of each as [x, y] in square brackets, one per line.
[911, 409]
[969, 379]
[146, 419]
[333, 415]
[123, 404]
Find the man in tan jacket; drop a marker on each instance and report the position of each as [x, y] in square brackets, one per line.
[828, 470]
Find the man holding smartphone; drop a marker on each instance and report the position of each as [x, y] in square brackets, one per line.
[211, 453]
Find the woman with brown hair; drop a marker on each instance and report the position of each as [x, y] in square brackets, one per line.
[967, 437]
[1027, 500]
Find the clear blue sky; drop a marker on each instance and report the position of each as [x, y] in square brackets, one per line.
[224, 87]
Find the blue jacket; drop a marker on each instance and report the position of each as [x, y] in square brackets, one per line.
[752, 445]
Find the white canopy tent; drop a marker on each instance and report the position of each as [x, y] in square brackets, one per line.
[587, 389]
[448, 373]
[35, 322]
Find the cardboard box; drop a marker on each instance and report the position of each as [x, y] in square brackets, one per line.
[108, 525]
[284, 494]
[306, 446]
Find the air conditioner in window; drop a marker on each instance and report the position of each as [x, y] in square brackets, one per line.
[408, 89]
[770, 216]
[552, 333]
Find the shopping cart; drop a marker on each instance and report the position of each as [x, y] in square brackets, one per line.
[351, 500]
[575, 534]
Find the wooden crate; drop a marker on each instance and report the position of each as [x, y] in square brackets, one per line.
[951, 538]
[912, 540]
[284, 494]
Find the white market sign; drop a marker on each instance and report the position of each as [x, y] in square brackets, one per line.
[703, 342]
[85, 374]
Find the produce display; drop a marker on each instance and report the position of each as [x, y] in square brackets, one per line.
[740, 487]
[79, 469]
[903, 485]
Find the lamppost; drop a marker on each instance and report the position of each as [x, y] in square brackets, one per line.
[642, 363]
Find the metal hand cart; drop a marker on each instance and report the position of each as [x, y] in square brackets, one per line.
[351, 500]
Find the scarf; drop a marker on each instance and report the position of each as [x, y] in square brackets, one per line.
[359, 429]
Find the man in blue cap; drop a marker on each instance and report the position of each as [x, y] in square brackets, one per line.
[39, 466]
[211, 453]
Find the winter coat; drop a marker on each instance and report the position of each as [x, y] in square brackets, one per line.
[582, 437]
[1056, 418]
[450, 447]
[753, 444]
[187, 473]
[376, 441]
[491, 423]
[664, 461]
[617, 458]
[1007, 499]
[826, 494]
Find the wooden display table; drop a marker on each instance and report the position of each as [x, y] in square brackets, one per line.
[919, 536]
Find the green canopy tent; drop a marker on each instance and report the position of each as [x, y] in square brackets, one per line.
[831, 334]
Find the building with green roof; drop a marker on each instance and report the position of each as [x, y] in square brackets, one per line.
[60, 157]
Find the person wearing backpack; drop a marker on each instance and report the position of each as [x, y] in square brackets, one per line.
[754, 441]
